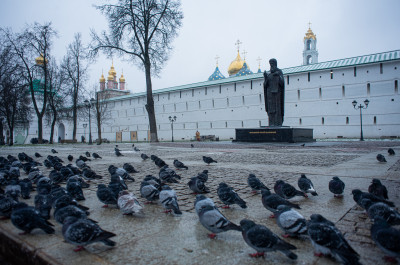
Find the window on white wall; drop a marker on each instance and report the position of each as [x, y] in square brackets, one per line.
[343, 91]
[368, 89]
[298, 94]
[323, 120]
[396, 86]
[320, 92]
[347, 120]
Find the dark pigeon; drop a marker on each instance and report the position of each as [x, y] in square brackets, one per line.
[43, 201]
[306, 186]
[387, 238]
[54, 151]
[129, 168]
[70, 158]
[336, 186]
[287, 191]
[208, 160]
[66, 200]
[82, 232]
[358, 196]
[391, 152]
[84, 158]
[381, 210]
[136, 149]
[13, 190]
[169, 200]
[167, 174]
[96, 156]
[255, 183]
[290, 221]
[327, 240]
[378, 189]
[272, 201]
[381, 158]
[38, 155]
[26, 218]
[118, 153]
[106, 195]
[87, 154]
[74, 189]
[203, 176]
[26, 187]
[144, 156]
[179, 165]
[263, 240]
[197, 186]
[213, 220]
[228, 196]
[70, 210]
[6, 205]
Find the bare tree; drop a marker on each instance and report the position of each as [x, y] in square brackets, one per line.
[75, 68]
[35, 40]
[102, 111]
[141, 30]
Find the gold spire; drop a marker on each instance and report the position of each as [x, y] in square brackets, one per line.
[40, 60]
[259, 62]
[235, 65]
[310, 34]
[102, 79]
[122, 78]
[216, 58]
[112, 70]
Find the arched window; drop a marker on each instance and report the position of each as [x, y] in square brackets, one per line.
[308, 45]
[309, 59]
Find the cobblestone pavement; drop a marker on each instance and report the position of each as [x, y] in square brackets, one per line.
[155, 237]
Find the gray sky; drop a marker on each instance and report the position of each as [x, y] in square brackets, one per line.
[344, 28]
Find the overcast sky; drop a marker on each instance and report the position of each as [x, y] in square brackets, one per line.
[344, 28]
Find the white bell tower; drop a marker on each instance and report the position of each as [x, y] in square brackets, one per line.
[310, 53]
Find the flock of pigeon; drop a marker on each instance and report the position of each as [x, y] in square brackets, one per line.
[79, 230]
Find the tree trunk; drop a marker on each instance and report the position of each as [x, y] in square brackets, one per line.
[1, 133]
[11, 138]
[74, 116]
[98, 118]
[150, 105]
[40, 129]
[53, 124]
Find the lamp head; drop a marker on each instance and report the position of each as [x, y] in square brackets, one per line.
[366, 102]
[354, 103]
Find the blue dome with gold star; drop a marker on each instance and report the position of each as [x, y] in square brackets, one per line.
[244, 71]
[216, 75]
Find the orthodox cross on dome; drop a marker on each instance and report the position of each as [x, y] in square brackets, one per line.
[244, 54]
[216, 59]
[309, 25]
[259, 62]
[237, 43]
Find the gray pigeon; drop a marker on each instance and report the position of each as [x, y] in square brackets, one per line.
[263, 240]
[290, 221]
[43, 201]
[26, 218]
[213, 220]
[118, 153]
[381, 210]
[381, 158]
[201, 201]
[358, 196]
[327, 240]
[287, 191]
[106, 195]
[272, 201]
[208, 160]
[96, 156]
[306, 186]
[387, 238]
[169, 200]
[70, 210]
[128, 203]
[179, 165]
[378, 189]
[197, 186]
[149, 191]
[228, 196]
[255, 184]
[82, 232]
[336, 186]
[54, 151]
[74, 189]
[144, 156]
[203, 176]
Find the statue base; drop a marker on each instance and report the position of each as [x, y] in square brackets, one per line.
[274, 134]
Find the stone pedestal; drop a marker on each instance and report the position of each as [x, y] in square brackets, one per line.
[274, 134]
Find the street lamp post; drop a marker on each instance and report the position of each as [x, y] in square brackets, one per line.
[84, 127]
[89, 106]
[172, 120]
[366, 102]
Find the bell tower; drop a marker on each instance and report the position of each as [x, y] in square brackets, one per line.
[310, 53]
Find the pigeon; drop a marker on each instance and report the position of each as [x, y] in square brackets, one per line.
[26, 218]
[39, 155]
[129, 168]
[149, 191]
[84, 158]
[201, 201]
[336, 186]
[391, 152]
[386, 238]
[290, 221]
[381, 210]
[197, 186]
[191, 145]
[96, 156]
[106, 195]
[167, 174]
[306, 186]
[228, 196]
[75, 190]
[65, 200]
[70, 158]
[272, 201]
[117, 184]
[136, 149]
[169, 200]
[208, 160]
[82, 232]
[328, 240]
[203, 176]
[6, 205]
[159, 162]
[378, 189]
[144, 156]
[70, 210]
[128, 203]
[381, 158]
[13, 190]
[255, 184]
[54, 151]
[81, 164]
[213, 220]
[179, 165]
[43, 201]
[358, 196]
[263, 240]
[287, 191]
[120, 172]
[26, 187]
[87, 154]
[118, 153]
[156, 182]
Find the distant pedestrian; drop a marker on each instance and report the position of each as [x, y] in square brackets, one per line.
[197, 136]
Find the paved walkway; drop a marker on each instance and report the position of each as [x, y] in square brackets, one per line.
[156, 237]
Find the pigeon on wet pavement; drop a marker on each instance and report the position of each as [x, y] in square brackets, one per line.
[96, 156]
[336, 186]
[70, 158]
[129, 168]
[359, 195]
[255, 183]
[26, 218]
[169, 200]
[118, 153]
[144, 156]
[260, 238]
[87, 154]
[6, 205]
[381, 210]
[128, 203]
[38, 155]
[26, 187]
[290, 221]
[378, 189]
[106, 195]
[197, 186]
[328, 240]
[381, 158]
[387, 238]
[272, 201]
[70, 210]
[391, 152]
[201, 201]
[179, 165]
[208, 160]
[74, 189]
[306, 186]
[54, 151]
[228, 196]
[287, 191]
[203, 176]
[149, 191]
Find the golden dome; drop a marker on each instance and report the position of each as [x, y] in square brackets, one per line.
[112, 70]
[122, 79]
[40, 60]
[310, 35]
[110, 77]
[102, 79]
[235, 65]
